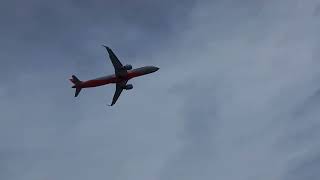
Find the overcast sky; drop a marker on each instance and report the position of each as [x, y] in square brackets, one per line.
[237, 95]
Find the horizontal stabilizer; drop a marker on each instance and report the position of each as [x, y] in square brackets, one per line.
[77, 92]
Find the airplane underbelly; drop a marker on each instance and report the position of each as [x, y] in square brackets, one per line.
[134, 74]
[95, 83]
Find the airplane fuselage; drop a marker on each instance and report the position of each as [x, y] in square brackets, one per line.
[114, 79]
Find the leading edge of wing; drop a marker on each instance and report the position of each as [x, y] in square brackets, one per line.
[114, 59]
[118, 92]
[116, 95]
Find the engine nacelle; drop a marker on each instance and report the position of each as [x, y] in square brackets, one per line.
[128, 87]
[127, 67]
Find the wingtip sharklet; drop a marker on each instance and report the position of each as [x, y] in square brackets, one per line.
[105, 46]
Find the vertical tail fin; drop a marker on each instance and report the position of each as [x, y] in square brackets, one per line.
[76, 83]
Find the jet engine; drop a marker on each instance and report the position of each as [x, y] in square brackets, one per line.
[128, 87]
[127, 67]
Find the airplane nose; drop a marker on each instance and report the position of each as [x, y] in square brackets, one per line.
[154, 69]
[151, 69]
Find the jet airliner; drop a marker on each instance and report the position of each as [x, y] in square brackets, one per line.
[123, 73]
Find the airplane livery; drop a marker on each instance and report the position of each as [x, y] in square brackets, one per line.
[122, 75]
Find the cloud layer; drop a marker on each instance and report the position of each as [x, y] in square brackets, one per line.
[236, 96]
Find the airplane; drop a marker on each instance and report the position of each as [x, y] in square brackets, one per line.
[121, 76]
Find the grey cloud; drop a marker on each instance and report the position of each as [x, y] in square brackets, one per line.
[266, 72]
[235, 97]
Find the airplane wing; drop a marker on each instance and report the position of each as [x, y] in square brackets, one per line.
[115, 61]
[118, 92]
